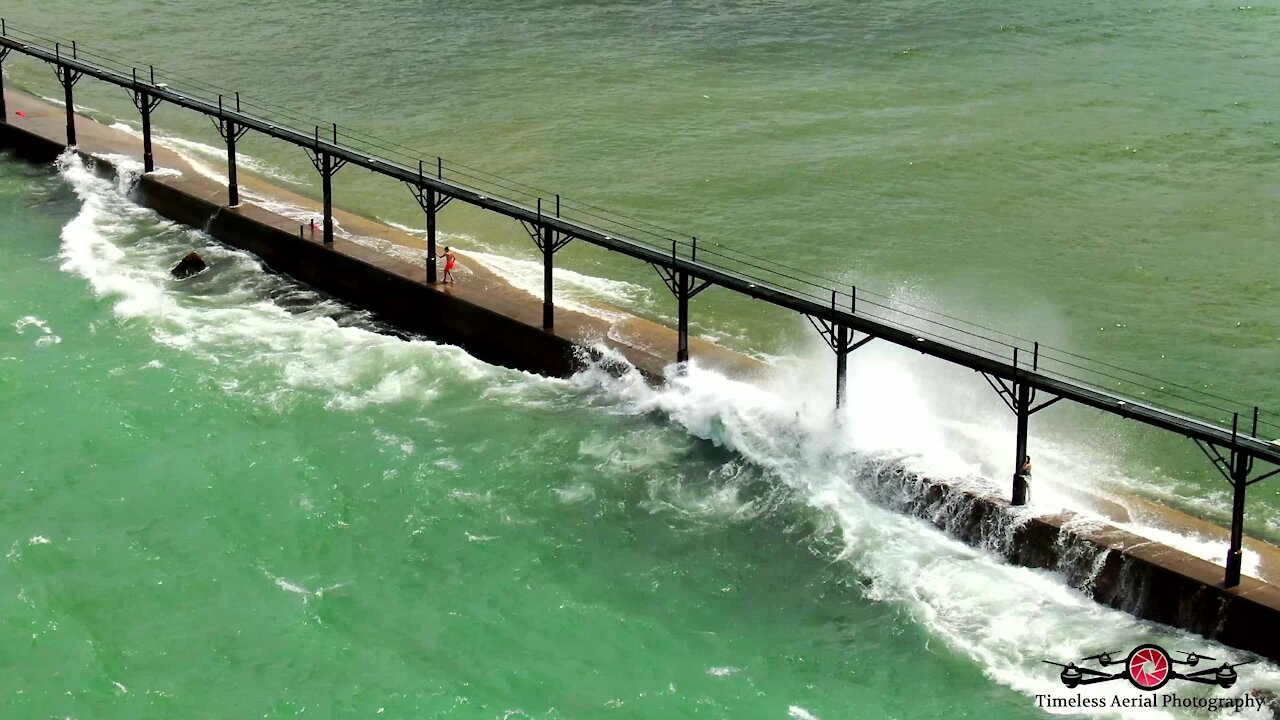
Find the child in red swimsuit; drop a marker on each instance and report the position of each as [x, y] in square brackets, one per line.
[449, 260]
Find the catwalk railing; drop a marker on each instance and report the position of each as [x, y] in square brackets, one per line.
[1015, 367]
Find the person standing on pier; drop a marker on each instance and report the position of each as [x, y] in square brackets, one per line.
[1025, 473]
[449, 260]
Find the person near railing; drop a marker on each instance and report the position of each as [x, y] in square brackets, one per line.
[449, 261]
[1024, 475]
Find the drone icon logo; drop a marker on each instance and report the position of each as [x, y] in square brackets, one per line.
[1147, 667]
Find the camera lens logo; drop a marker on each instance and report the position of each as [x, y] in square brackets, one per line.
[1148, 667]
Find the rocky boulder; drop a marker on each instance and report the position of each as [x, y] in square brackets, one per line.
[190, 265]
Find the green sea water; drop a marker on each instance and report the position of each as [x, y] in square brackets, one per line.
[234, 498]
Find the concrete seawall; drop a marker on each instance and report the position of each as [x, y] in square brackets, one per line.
[501, 325]
[1116, 568]
[377, 283]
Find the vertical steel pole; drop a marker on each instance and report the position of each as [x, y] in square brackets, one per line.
[548, 308]
[148, 160]
[1239, 478]
[431, 234]
[233, 185]
[4, 110]
[67, 83]
[842, 363]
[4, 53]
[682, 327]
[1022, 405]
[327, 174]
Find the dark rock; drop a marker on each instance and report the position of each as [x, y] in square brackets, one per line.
[190, 265]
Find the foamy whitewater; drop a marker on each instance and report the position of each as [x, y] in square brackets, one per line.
[972, 445]
[1007, 619]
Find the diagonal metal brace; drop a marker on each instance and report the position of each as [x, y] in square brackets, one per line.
[1008, 393]
[535, 232]
[825, 329]
[420, 194]
[68, 75]
[1042, 405]
[317, 158]
[228, 130]
[670, 278]
[145, 101]
[1005, 391]
[1264, 476]
[558, 239]
[1215, 458]
[828, 331]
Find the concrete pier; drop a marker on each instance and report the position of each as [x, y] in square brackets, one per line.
[484, 314]
[504, 325]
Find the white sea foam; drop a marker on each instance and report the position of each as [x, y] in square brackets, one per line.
[1006, 618]
[101, 244]
[575, 290]
[46, 337]
[190, 149]
[296, 589]
[575, 493]
[81, 109]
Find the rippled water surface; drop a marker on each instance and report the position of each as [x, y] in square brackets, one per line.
[231, 497]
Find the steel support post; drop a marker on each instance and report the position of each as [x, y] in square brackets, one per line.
[550, 242]
[840, 339]
[682, 327]
[146, 103]
[1235, 466]
[430, 207]
[1019, 398]
[548, 255]
[432, 202]
[684, 287]
[145, 107]
[327, 174]
[231, 134]
[1022, 408]
[327, 166]
[69, 78]
[1239, 482]
[233, 184]
[4, 110]
[67, 84]
[842, 363]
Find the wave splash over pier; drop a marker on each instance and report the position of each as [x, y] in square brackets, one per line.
[844, 478]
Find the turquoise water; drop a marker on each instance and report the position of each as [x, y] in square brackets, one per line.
[232, 498]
